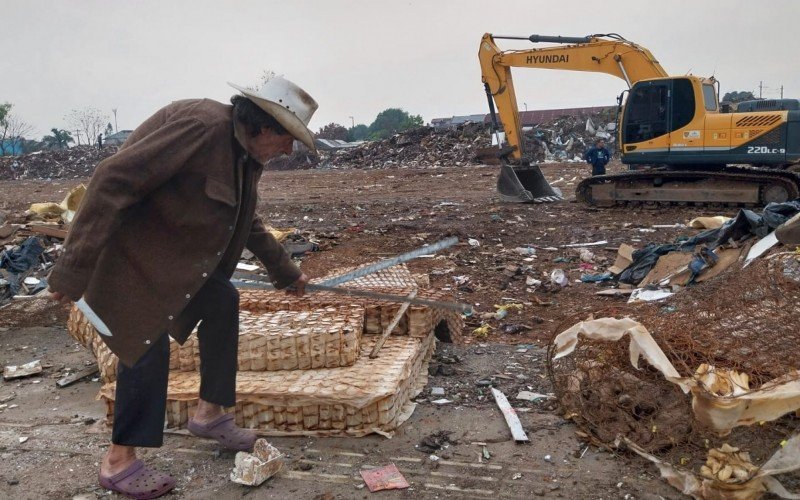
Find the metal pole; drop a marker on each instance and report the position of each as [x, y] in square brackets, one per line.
[352, 122]
[115, 119]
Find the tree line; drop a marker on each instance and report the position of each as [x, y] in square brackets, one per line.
[85, 125]
[388, 122]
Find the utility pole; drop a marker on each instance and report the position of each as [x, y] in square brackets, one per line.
[352, 122]
[760, 88]
[781, 91]
[526, 105]
[78, 136]
[114, 110]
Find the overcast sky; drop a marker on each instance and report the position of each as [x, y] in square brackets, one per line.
[359, 57]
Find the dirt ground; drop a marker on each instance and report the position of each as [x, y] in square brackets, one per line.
[358, 217]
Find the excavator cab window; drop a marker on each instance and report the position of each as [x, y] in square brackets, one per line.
[682, 103]
[646, 111]
[655, 108]
[709, 97]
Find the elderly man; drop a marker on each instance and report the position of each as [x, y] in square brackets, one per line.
[151, 252]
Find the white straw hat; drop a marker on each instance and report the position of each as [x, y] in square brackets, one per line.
[290, 105]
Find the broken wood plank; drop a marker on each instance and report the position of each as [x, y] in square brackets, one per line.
[13, 371]
[80, 374]
[392, 325]
[615, 292]
[55, 231]
[511, 417]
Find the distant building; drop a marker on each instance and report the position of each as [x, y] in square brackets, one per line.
[537, 117]
[527, 118]
[12, 147]
[117, 139]
[454, 121]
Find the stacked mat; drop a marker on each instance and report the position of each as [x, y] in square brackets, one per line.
[373, 395]
[304, 367]
[282, 340]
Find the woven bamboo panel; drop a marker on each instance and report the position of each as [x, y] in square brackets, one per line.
[283, 340]
[417, 322]
[394, 277]
[287, 340]
[373, 394]
[79, 328]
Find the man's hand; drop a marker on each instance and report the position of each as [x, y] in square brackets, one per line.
[298, 288]
[59, 297]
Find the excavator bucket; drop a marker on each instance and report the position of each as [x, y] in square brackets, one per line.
[525, 184]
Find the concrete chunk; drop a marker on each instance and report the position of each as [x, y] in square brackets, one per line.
[253, 469]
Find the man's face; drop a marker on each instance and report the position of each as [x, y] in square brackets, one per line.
[601, 144]
[268, 145]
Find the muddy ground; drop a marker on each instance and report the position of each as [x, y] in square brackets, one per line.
[358, 217]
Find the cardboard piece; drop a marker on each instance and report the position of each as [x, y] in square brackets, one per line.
[624, 259]
[727, 257]
[708, 222]
[669, 265]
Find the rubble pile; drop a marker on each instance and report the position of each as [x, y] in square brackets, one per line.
[25, 261]
[74, 163]
[567, 138]
[563, 139]
[298, 160]
[418, 147]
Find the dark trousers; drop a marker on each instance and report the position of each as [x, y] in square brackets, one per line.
[598, 169]
[141, 397]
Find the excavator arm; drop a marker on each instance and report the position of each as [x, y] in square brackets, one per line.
[609, 54]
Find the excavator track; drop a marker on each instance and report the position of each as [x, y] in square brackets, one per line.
[731, 186]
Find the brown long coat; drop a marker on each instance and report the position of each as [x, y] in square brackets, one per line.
[157, 220]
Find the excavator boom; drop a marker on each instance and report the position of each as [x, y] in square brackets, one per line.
[595, 53]
[673, 122]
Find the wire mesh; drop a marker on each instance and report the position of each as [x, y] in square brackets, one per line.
[746, 319]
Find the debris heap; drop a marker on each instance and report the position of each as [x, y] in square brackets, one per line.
[77, 162]
[563, 139]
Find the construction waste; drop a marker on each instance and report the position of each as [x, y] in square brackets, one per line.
[698, 373]
[77, 162]
[563, 139]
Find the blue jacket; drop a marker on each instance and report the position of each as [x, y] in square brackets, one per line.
[597, 156]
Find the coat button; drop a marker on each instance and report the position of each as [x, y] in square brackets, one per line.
[171, 317]
[188, 295]
[230, 228]
[219, 253]
[146, 341]
[205, 275]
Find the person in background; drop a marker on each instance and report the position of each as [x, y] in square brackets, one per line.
[598, 157]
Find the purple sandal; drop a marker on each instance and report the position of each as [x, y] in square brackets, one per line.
[225, 432]
[139, 482]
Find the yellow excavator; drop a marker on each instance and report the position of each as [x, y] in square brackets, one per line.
[681, 147]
